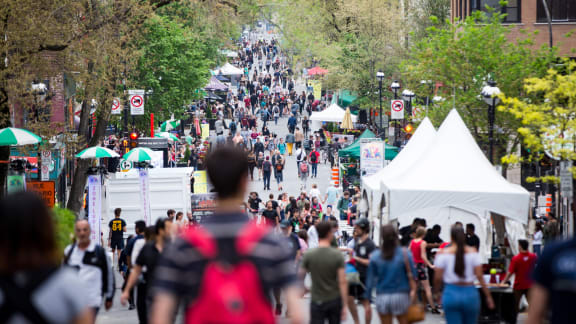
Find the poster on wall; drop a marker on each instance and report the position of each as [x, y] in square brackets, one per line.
[372, 156]
[203, 205]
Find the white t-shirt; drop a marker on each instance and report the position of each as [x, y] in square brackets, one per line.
[312, 237]
[314, 192]
[537, 238]
[447, 261]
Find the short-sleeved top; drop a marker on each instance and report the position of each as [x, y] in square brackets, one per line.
[255, 203]
[332, 196]
[473, 240]
[117, 226]
[270, 215]
[323, 264]
[181, 267]
[148, 258]
[60, 298]
[363, 250]
[522, 266]
[447, 261]
[556, 272]
[293, 244]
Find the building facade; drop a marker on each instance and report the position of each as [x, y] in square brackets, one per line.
[529, 16]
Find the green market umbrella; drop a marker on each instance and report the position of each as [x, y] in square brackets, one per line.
[169, 125]
[189, 139]
[96, 152]
[18, 136]
[168, 136]
[139, 154]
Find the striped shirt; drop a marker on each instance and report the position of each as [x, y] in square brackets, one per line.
[181, 267]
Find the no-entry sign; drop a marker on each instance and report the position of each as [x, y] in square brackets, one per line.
[136, 102]
[397, 109]
[116, 109]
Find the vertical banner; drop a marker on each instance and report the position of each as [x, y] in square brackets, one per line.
[316, 89]
[371, 157]
[145, 194]
[151, 124]
[205, 131]
[95, 207]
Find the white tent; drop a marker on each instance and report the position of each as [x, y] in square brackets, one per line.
[409, 155]
[453, 181]
[333, 114]
[228, 69]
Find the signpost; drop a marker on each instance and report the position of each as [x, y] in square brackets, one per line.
[116, 107]
[46, 158]
[125, 165]
[45, 189]
[136, 98]
[397, 107]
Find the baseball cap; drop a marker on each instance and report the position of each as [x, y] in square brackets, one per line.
[285, 223]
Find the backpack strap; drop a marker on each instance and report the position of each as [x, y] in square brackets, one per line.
[67, 257]
[18, 299]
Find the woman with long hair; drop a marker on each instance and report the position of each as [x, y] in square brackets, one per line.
[33, 285]
[418, 249]
[458, 266]
[391, 273]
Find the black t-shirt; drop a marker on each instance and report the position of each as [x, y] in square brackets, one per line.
[473, 240]
[117, 226]
[556, 272]
[148, 257]
[270, 214]
[255, 203]
[274, 204]
[363, 250]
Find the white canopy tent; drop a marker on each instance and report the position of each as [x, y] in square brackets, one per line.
[333, 113]
[453, 181]
[228, 69]
[409, 155]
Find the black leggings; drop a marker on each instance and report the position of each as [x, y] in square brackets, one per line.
[251, 170]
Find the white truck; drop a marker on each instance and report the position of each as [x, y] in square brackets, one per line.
[169, 189]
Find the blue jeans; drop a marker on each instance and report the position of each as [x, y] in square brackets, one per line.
[461, 304]
[314, 169]
[276, 120]
[267, 176]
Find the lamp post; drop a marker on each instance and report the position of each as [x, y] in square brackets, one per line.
[490, 94]
[395, 86]
[380, 77]
[408, 95]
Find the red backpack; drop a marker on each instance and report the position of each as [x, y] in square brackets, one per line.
[229, 293]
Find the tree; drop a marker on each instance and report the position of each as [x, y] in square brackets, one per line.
[462, 58]
[547, 115]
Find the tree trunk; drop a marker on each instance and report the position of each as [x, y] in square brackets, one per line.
[4, 150]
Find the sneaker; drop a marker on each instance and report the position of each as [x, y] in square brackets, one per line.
[278, 309]
[435, 311]
[131, 307]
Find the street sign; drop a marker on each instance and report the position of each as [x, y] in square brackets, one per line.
[116, 107]
[136, 98]
[46, 159]
[45, 189]
[397, 109]
[566, 178]
[125, 165]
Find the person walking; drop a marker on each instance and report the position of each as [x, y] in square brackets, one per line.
[251, 164]
[314, 158]
[537, 240]
[259, 163]
[458, 266]
[290, 143]
[331, 197]
[94, 267]
[521, 266]
[278, 170]
[34, 288]
[281, 146]
[254, 205]
[418, 249]
[140, 229]
[292, 122]
[298, 138]
[329, 291]
[257, 262]
[267, 172]
[343, 205]
[391, 272]
[303, 173]
[144, 267]
[117, 228]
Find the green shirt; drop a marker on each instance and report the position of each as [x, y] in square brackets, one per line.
[323, 264]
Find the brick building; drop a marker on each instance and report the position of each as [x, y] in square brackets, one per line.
[530, 15]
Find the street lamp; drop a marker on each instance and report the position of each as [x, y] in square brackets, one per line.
[380, 77]
[395, 86]
[408, 95]
[490, 94]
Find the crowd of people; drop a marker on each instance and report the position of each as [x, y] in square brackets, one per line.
[175, 261]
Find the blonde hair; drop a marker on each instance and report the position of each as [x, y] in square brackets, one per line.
[420, 231]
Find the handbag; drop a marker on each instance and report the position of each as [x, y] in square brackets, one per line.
[416, 311]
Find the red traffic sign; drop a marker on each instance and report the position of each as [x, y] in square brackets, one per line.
[136, 101]
[115, 104]
[397, 105]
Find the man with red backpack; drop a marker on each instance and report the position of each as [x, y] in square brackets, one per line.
[314, 158]
[225, 269]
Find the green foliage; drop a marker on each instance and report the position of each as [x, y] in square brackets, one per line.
[173, 64]
[462, 58]
[547, 113]
[64, 220]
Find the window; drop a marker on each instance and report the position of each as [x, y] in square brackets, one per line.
[512, 9]
[560, 10]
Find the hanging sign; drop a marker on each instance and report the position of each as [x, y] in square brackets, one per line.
[116, 107]
[397, 109]
[95, 207]
[144, 194]
[136, 98]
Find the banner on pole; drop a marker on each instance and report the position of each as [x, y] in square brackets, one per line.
[372, 156]
[95, 207]
[145, 194]
[136, 98]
